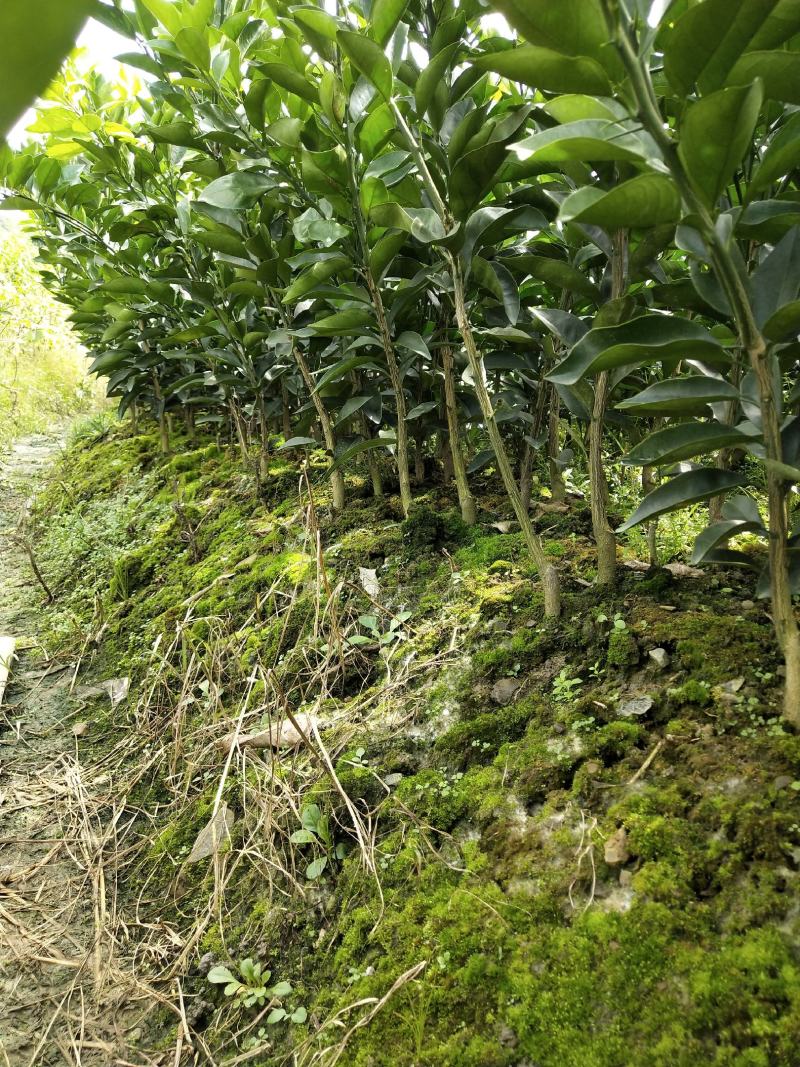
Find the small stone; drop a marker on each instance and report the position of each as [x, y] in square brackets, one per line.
[659, 657]
[393, 779]
[783, 781]
[628, 709]
[616, 851]
[593, 767]
[507, 1037]
[625, 878]
[504, 691]
[733, 686]
[205, 963]
[80, 729]
[748, 605]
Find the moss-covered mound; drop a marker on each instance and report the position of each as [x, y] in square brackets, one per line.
[505, 842]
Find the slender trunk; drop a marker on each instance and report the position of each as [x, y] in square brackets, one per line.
[238, 426]
[372, 460]
[547, 572]
[263, 426]
[337, 478]
[526, 476]
[558, 487]
[465, 498]
[286, 422]
[134, 410]
[188, 418]
[651, 529]
[399, 394]
[604, 536]
[163, 426]
[786, 628]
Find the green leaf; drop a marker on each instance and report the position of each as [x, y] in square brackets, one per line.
[783, 324]
[385, 17]
[703, 44]
[179, 133]
[369, 58]
[291, 80]
[556, 273]
[680, 396]
[782, 156]
[637, 343]
[299, 442]
[575, 27]
[310, 279]
[318, 27]
[542, 68]
[384, 252]
[194, 46]
[715, 134]
[281, 989]
[432, 77]
[316, 867]
[683, 441]
[299, 1015]
[643, 201]
[422, 223]
[223, 241]
[167, 14]
[589, 140]
[342, 323]
[285, 131]
[220, 976]
[778, 71]
[684, 489]
[33, 41]
[236, 191]
[366, 445]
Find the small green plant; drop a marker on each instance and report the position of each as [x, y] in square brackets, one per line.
[315, 829]
[618, 623]
[374, 633]
[565, 688]
[252, 986]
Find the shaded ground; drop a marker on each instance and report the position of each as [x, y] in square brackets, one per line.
[59, 979]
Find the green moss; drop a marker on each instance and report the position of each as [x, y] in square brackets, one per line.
[623, 652]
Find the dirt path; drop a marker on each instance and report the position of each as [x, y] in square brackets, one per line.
[60, 991]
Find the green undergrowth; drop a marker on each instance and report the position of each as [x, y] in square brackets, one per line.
[583, 857]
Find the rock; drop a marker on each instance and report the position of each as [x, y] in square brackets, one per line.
[683, 570]
[748, 605]
[628, 709]
[393, 779]
[625, 878]
[495, 625]
[198, 1013]
[615, 851]
[205, 963]
[733, 686]
[504, 691]
[507, 1037]
[783, 781]
[660, 658]
[80, 729]
[593, 767]
[369, 582]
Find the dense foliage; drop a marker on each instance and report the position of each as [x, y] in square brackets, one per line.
[390, 228]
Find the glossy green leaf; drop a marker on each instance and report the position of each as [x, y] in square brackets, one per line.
[575, 27]
[290, 79]
[385, 17]
[779, 73]
[782, 156]
[543, 68]
[369, 58]
[236, 191]
[342, 323]
[194, 46]
[422, 223]
[703, 44]
[683, 441]
[556, 273]
[589, 140]
[683, 489]
[432, 77]
[715, 134]
[644, 201]
[680, 396]
[639, 342]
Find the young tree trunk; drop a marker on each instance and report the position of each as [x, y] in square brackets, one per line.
[526, 476]
[648, 485]
[558, 488]
[286, 421]
[547, 572]
[465, 498]
[188, 418]
[134, 410]
[337, 478]
[604, 536]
